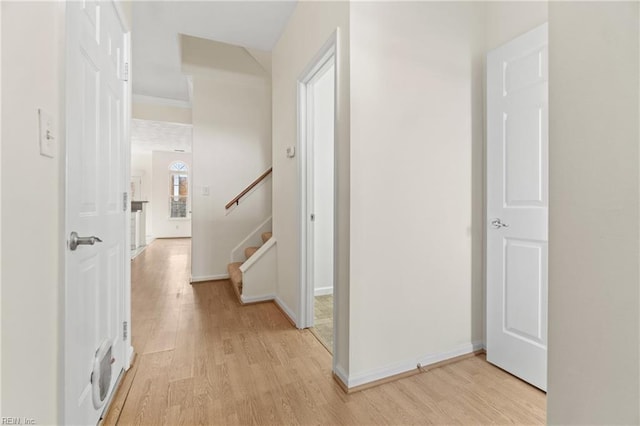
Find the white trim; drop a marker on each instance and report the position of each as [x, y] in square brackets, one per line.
[337, 316]
[403, 367]
[154, 100]
[323, 291]
[326, 55]
[254, 299]
[127, 111]
[287, 311]
[338, 371]
[258, 254]
[209, 278]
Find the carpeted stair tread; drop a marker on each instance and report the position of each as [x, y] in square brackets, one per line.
[249, 251]
[235, 276]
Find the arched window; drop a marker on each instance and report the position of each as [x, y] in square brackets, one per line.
[178, 189]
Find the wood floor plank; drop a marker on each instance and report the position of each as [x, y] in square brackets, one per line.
[205, 359]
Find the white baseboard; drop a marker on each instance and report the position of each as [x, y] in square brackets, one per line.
[392, 370]
[255, 299]
[209, 278]
[323, 291]
[286, 310]
[344, 377]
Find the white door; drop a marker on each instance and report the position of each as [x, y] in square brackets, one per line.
[94, 349]
[517, 206]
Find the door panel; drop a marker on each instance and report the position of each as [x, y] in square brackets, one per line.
[523, 149]
[524, 284]
[522, 71]
[88, 149]
[517, 206]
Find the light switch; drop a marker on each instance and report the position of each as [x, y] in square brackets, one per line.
[205, 190]
[47, 134]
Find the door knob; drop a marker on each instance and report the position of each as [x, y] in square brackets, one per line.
[75, 241]
[497, 224]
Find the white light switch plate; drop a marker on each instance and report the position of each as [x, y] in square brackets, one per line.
[47, 134]
[205, 190]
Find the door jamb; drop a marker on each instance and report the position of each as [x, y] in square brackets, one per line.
[326, 56]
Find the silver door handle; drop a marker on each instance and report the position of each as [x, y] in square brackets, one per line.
[497, 224]
[75, 241]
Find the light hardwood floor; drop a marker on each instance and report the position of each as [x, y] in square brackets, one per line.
[204, 359]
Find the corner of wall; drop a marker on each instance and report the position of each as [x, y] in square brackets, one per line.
[309, 27]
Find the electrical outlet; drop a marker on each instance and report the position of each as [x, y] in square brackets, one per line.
[47, 136]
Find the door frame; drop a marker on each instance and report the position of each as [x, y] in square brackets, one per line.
[326, 56]
[125, 174]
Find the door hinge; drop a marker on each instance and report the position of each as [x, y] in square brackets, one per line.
[125, 330]
[125, 72]
[313, 217]
[125, 199]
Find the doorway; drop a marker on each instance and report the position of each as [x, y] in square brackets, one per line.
[317, 165]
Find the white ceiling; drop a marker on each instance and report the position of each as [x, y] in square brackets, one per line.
[148, 135]
[156, 25]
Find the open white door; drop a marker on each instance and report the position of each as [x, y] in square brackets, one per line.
[517, 206]
[96, 209]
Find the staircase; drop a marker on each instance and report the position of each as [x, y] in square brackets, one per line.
[235, 274]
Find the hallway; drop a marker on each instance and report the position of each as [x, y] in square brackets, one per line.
[204, 359]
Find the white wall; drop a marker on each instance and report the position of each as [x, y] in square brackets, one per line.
[141, 165]
[154, 112]
[32, 240]
[416, 147]
[594, 248]
[323, 155]
[231, 148]
[507, 20]
[309, 27]
[163, 225]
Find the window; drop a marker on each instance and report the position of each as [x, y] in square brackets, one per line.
[178, 190]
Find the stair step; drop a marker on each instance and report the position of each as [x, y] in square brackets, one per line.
[235, 276]
[249, 251]
[266, 236]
